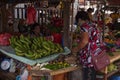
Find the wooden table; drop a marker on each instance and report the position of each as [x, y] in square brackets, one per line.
[55, 74]
[69, 69]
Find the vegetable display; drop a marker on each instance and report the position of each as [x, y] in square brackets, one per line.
[57, 65]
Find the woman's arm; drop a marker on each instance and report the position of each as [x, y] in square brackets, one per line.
[83, 42]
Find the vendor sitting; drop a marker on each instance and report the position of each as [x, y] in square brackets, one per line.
[35, 30]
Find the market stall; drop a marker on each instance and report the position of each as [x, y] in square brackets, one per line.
[10, 52]
[64, 20]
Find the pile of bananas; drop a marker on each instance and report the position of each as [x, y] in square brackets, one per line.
[34, 48]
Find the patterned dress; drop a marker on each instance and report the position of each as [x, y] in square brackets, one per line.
[93, 46]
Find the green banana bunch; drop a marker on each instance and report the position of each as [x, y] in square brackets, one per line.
[19, 52]
[59, 47]
[18, 43]
[13, 40]
[34, 48]
[25, 40]
[45, 45]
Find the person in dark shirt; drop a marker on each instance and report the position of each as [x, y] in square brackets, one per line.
[35, 30]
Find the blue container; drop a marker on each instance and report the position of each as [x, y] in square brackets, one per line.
[18, 77]
[115, 78]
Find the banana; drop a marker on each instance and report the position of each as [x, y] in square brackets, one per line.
[35, 41]
[18, 43]
[13, 39]
[46, 45]
[28, 40]
[30, 54]
[38, 51]
[40, 39]
[21, 37]
[39, 55]
[27, 46]
[34, 47]
[18, 50]
[56, 50]
[59, 47]
[24, 41]
[36, 56]
[20, 53]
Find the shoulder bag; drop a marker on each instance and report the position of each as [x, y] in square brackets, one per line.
[100, 61]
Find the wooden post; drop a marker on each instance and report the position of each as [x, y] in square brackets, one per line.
[72, 19]
[0, 21]
[66, 16]
[4, 18]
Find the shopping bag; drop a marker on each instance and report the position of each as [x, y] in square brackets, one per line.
[100, 61]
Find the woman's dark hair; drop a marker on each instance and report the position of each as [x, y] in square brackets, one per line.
[82, 15]
[90, 10]
[33, 26]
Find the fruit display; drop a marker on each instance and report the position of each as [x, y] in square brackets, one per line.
[34, 48]
[117, 34]
[112, 42]
[56, 65]
[112, 67]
